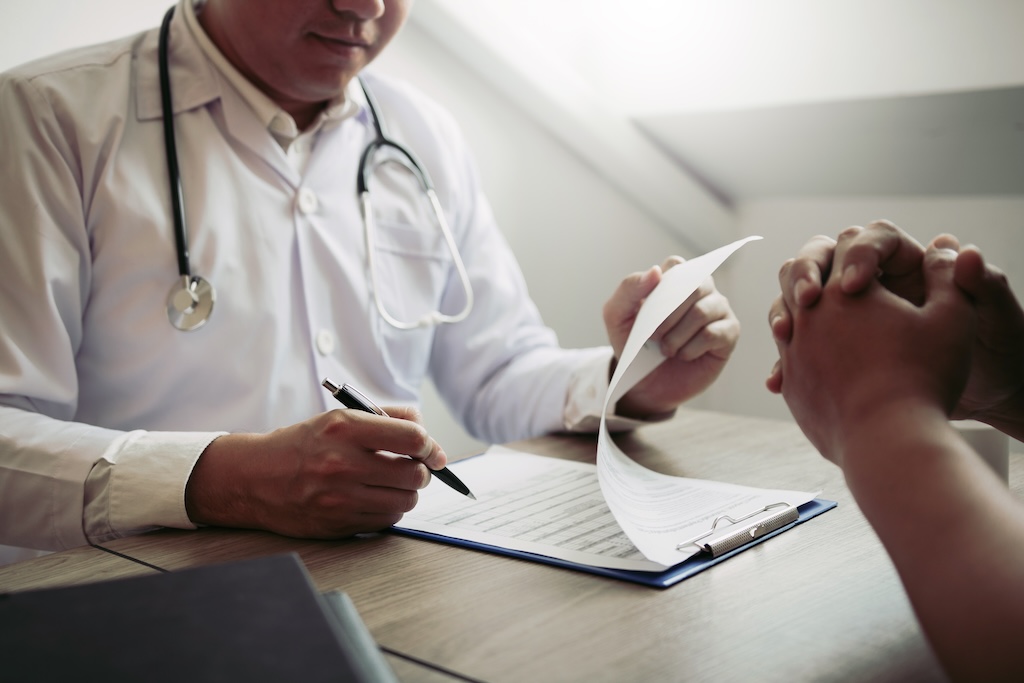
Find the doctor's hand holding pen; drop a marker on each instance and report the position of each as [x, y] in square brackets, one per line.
[340, 473]
[696, 340]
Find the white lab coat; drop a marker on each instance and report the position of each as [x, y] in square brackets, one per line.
[90, 368]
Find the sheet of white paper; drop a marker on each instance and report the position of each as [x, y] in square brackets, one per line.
[655, 510]
[618, 514]
[530, 503]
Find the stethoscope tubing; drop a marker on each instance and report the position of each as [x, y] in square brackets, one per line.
[366, 168]
[171, 147]
[191, 300]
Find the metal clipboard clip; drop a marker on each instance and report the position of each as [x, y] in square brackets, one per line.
[744, 529]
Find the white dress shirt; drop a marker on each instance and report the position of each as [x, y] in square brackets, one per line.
[105, 407]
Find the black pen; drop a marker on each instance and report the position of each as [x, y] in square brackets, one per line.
[351, 397]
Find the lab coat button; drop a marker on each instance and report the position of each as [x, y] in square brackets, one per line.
[308, 202]
[325, 342]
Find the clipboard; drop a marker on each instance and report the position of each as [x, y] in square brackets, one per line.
[726, 538]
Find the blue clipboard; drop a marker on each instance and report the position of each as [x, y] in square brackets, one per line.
[663, 579]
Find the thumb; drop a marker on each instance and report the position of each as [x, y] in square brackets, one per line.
[621, 309]
[1000, 315]
[986, 284]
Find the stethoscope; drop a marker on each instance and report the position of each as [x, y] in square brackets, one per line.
[190, 301]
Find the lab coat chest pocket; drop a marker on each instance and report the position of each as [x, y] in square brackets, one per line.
[414, 267]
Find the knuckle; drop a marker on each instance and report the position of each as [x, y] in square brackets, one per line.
[424, 477]
[818, 242]
[786, 267]
[334, 423]
[704, 340]
[702, 313]
[414, 414]
[850, 233]
[882, 225]
[672, 261]
[420, 441]
[408, 501]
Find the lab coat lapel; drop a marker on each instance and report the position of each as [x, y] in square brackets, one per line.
[195, 83]
[244, 127]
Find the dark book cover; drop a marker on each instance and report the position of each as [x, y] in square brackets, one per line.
[254, 620]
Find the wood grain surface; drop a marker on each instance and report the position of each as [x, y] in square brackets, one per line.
[67, 568]
[820, 602]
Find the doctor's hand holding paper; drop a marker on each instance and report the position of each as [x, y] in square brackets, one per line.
[881, 341]
[696, 341]
[160, 361]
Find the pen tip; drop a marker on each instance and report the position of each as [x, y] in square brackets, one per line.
[470, 494]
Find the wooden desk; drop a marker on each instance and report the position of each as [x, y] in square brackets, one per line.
[88, 565]
[75, 566]
[819, 602]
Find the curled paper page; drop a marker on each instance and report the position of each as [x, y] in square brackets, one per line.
[659, 512]
[615, 514]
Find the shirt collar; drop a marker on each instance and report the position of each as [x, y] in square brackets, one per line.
[275, 119]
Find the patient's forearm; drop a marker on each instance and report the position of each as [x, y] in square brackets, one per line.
[954, 532]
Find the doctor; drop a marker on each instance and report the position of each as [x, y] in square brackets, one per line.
[159, 375]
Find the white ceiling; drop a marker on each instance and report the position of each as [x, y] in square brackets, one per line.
[759, 98]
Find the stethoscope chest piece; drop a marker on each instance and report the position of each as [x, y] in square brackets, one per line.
[190, 302]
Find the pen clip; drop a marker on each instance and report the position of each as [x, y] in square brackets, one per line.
[358, 395]
[352, 397]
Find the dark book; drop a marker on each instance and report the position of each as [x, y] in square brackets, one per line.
[255, 620]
